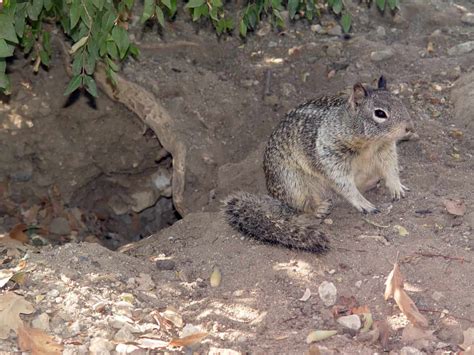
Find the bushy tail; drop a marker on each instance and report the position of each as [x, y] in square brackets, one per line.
[270, 220]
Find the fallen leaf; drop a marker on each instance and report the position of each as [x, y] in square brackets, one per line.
[12, 246]
[468, 339]
[455, 207]
[318, 335]
[295, 50]
[216, 277]
[11, 305]
[306, 295]
[412, 334]
[18, 233]
[188, 340]
[148, 343]
[173, 317]
[402, 231]
[37, 341]
[394, 288]
[367, 322]
[456, 133]
[409, 309]
[394, 280]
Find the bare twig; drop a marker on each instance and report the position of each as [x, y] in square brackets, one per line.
[447, 257]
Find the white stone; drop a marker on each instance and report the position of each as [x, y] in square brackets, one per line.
[328, 293]
[352, 322]
[462, 48]
[100, 346]
[381, 55]
[409, 350]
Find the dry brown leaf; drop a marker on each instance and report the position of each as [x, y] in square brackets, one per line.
[11, 305]
[394, 280]
[455, 207]
[5, 276]
[409, 309]
[188, 340]
[18, 233]
[37, 341]
[360, 310]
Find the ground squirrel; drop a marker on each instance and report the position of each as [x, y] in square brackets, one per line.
[328, 144]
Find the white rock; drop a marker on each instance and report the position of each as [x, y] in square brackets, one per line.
[381, 31]
[358, 284]
[462, 48]
[352, 322]
[317, 28]
[381, 55]
[327, 293]
[437, 296]
[41, 322]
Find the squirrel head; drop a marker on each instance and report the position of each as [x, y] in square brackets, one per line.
[381, 113]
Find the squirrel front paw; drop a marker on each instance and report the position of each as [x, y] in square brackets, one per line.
[397, 191]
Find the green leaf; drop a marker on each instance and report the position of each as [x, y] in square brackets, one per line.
[112, 64]
[128, 4]
[380, 4]
[5, 85]
[337, 6]
[194, 3]
[48, 5]
[46, 42]
[73, 85]
[167, 3]
[148, 10]
[20, 24]
[6, 49]
[3, 65]
[90, 64]
[346, 22]
[174, 6]
[213, 14]
[108, 21]
[34, 9]
[75, 13]
[77, 64]
[99, 4]
[393, 4]
[216, 3]
[44, 56]
[243, 28]
[120, 37]
[112, 50]
[91, 87]
[134, 51]
[160, 16]
[7, 30]
[293, 6]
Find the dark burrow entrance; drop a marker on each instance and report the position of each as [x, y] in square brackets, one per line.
[75, 171]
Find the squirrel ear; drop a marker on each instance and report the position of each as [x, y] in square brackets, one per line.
[358, 94]
[382, 83]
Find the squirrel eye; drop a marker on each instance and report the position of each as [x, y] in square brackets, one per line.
[380, 113]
